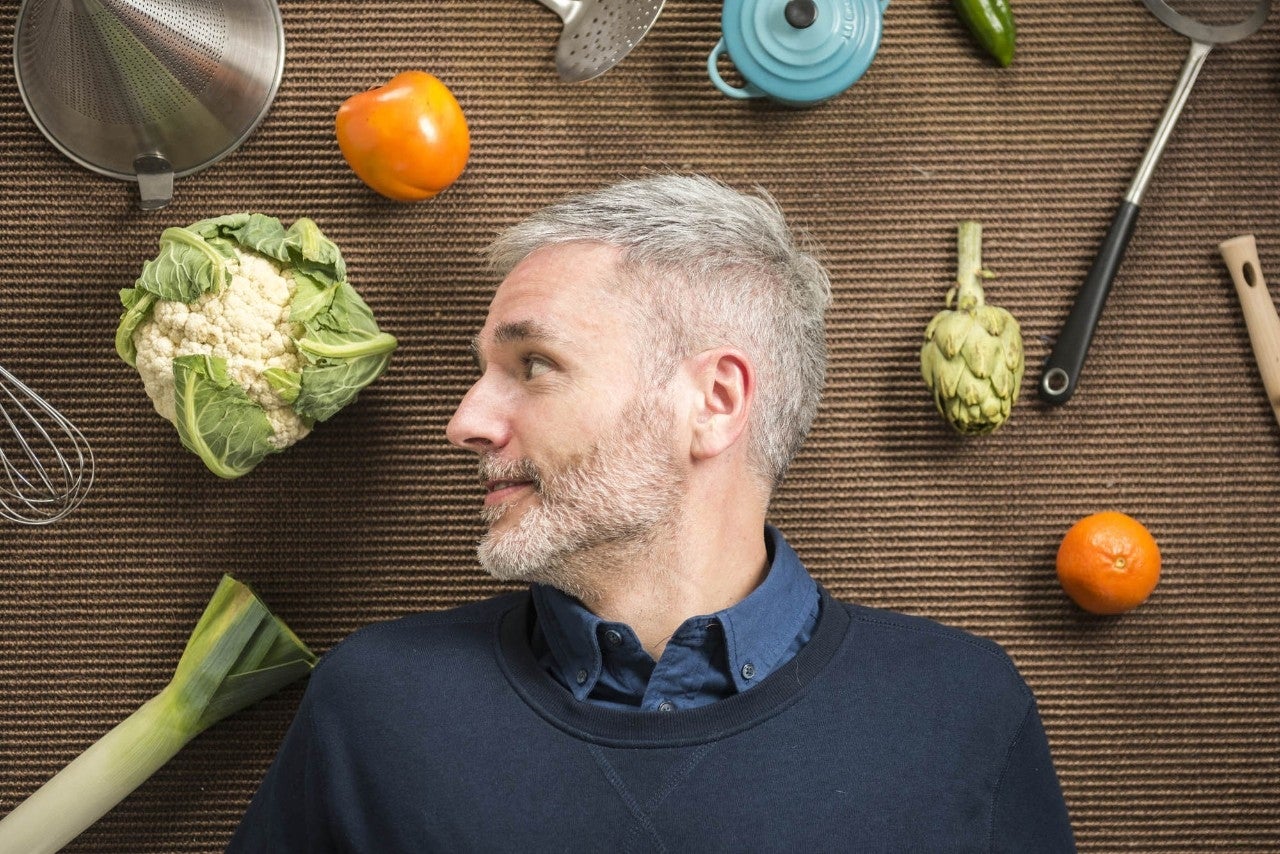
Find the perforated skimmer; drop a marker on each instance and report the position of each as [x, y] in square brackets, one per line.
[597, 34]
[147, 90]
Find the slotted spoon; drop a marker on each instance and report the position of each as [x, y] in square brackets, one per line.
[1062, 368]
[597, 34]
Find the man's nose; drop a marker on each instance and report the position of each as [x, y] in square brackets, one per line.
[478, 424]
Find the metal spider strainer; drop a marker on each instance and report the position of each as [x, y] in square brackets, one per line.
[597, 34]
[147, 90]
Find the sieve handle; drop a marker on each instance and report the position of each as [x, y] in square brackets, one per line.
[155, 181]
[1241, 255]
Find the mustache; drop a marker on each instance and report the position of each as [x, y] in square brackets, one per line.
[493, 468]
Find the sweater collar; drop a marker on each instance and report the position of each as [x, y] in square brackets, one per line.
[625, 728]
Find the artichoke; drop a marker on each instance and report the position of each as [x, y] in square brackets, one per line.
[972, 355]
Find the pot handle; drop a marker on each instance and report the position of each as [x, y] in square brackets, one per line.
[747, 91]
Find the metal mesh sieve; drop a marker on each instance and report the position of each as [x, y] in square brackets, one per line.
[148, 89]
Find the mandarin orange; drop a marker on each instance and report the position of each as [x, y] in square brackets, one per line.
[1108, 563]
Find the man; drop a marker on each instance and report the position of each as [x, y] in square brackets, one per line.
[673, 680]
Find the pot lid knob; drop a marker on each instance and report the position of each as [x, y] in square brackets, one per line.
[801, 13]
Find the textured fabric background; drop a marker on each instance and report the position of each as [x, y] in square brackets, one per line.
[1165, 723]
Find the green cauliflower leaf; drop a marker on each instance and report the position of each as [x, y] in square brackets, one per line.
[186, 267]
[344, 350]
[138, 305]
[216, 419]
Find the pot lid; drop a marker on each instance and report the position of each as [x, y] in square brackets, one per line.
[802, 50]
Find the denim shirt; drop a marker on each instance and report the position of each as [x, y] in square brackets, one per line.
[709, 657]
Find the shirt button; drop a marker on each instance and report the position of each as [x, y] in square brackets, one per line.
[748, 670]
[582, 676]
[612, 637]
[666, 706]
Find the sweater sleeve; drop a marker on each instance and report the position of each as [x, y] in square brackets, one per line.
[1029, 813]
[287, 814]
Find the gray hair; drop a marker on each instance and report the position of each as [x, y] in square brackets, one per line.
[707, 266]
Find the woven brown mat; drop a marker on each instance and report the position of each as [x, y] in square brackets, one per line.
[1165, 724]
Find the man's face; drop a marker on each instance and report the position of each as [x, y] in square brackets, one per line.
[578, 449]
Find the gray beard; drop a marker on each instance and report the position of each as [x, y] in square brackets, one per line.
[599, 512]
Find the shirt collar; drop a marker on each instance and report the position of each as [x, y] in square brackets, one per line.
[760, 631]
[571, 632]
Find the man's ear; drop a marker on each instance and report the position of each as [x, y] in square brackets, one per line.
[725, 386]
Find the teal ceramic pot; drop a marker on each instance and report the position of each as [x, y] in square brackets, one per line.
[797, 52]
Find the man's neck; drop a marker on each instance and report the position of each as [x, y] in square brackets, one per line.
[680, 573]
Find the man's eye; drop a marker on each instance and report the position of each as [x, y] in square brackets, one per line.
[535, 366]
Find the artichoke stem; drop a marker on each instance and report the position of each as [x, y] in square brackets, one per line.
[969, 270]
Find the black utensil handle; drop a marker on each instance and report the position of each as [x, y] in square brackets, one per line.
[1062, 368]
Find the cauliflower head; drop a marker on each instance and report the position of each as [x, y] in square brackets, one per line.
[246, 323]
[246, 333]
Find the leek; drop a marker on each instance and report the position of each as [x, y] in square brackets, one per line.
[238, 653]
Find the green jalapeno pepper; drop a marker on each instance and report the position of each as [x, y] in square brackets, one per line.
[991, 23]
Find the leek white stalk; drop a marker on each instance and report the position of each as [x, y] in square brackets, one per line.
[238, 653]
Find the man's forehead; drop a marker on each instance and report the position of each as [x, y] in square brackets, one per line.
[559, 295]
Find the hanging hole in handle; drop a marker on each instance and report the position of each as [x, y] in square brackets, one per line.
[1250, 274]
[1056, 381]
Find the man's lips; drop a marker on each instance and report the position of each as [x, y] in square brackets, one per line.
[497, 491]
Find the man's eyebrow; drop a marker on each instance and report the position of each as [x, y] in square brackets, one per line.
[519, 330]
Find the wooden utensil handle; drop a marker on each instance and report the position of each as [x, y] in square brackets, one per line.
[1241, 255]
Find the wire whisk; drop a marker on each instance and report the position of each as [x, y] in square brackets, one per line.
[47, 463]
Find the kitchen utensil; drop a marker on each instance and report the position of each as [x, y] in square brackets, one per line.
[1241, 255]
[797, 52]
[47, 463]
[597, 34]
[1062, 368]
[148, 90]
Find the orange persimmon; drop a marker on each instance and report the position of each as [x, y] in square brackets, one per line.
[408, 140]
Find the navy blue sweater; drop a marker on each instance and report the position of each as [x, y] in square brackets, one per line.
[440, 732]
